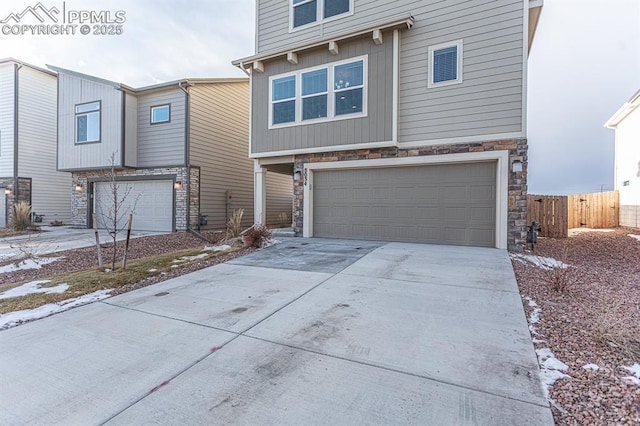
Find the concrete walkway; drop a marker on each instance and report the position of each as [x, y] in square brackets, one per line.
[306, 332]
[58, 238]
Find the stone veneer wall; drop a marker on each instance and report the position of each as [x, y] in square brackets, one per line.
[24, 194]
[517, 210]
[79, 200]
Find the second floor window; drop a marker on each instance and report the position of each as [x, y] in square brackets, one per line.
[445, 64]
[331, 92]
[305, 12]
[88, 122]
[160, 114]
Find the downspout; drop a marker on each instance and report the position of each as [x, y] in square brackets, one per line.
[15, 132]
[187, 158]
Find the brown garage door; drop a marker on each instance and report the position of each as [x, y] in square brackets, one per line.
[442, 204]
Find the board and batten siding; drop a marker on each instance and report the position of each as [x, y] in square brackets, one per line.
[37, 116]
[73, 156]
[131, 130]
[488, 102]
[161, 144]
[6, 119]
[219, 130]
[376, 126]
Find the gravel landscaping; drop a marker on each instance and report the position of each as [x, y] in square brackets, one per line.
[582, 299]
[84, 258]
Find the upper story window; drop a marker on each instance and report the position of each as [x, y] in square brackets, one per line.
[160, 114]
[306, 12]
[88, 122]
[332, 92]
[445, 64]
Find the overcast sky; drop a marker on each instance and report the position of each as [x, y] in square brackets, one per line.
[585, 63]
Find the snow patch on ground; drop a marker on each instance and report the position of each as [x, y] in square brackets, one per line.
[152, 270]
[534, 318]
[541, 262]
[32, 288]
[270, 242]
[28, 264]
[551, 369]
[190, 258]
[576, 231]
[11, 319]
[217, 248]
[592, 367]
[637, 237]
[635, 371]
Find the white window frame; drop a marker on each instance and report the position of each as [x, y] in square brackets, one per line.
[432, 49]
[87, 113]
[330, 94]
[151, 109]
[319, 15]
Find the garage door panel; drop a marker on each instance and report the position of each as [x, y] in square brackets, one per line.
[152, 202]
[448, 204]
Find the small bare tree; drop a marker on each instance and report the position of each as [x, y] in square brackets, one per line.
[114, 208]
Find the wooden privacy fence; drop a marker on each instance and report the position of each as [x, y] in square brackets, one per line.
[558, 214]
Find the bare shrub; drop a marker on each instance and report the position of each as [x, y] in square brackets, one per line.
[21, 220]
[256, 236]
[283, 218]
[560, 276]
[235, 223]
[613, 328]
[114, 211]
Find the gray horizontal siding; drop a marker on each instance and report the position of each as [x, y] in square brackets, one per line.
[161, 144]
[375, 127]
[279, 198]
[50, 189]
[6, 119]
[490, 99]
[72, 91]
[219, 130]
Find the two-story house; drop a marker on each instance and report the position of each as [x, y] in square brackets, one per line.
[399, 121]
[178, 151]
[626, 123]
[28, 144]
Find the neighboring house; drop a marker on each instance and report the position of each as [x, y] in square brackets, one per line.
[178, 149]
[28, 144]
[626, 123]
[398, 121]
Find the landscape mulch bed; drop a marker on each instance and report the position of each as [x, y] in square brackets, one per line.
[590, 314]
[85, 258]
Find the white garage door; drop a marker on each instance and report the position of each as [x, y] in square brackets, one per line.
[153, 201]
[442, 204]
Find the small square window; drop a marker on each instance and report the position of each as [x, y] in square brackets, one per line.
[160, 114]
[445, 64]
[626, 183]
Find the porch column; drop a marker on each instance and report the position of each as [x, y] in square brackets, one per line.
[259, 193]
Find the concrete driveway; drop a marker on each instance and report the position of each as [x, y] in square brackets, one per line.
[306, 332]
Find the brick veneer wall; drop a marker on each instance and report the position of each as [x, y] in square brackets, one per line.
[79, 200]
[517, 209]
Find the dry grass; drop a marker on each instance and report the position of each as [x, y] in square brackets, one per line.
[21, 220]
[89, 280]
[234, 226]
